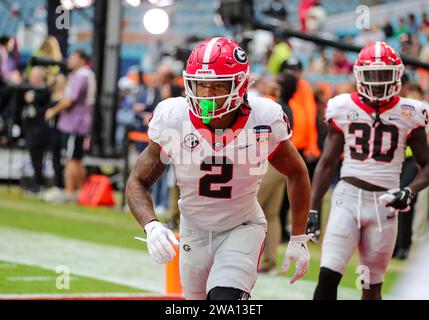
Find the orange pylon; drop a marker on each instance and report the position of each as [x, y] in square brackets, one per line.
[172, 274]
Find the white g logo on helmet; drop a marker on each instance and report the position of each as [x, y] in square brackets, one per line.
[240, 55]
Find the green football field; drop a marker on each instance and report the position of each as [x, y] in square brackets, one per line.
[96, 246]
[26, 279]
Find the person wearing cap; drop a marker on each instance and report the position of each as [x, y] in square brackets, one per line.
[303, 121]
[280, 52]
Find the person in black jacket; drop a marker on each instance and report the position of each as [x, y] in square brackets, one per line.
[37, 131]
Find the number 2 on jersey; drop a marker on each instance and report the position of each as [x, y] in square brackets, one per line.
[364, 141]
[224, 176]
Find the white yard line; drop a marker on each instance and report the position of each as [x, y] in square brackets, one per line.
[35, 279]
[123, 266]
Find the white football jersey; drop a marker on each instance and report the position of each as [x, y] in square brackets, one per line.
[219, 173]
[374, 150]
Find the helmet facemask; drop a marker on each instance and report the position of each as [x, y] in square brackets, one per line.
[378, 83]
[206, 107]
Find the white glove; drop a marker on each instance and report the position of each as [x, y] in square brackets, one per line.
[159, 242]
[297, 251]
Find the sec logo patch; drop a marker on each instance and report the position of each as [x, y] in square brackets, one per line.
[353, 115]
[190, 142]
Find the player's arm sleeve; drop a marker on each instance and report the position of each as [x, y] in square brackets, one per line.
[281, 130]
[422, 117]
[332, 114]
[159, 130]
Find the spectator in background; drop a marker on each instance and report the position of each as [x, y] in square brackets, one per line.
[57, 81]
[322, 129]
[319, 63]
[303, 122]
[148, 98]
[9, 60]
[57, 88]
[288, 84]
[303, 7]
[125, 116]
[415, 46]
[75, 121]
[4, 76]
[304, 111]
[424, 73]
[8, 75]
[36, 131]
[316, 16]
[369, 35]
[277, 9]
[50, 50]
[168, 87]
[280, 52]
[405, 80]
[424, 27]
[131, 88]
[387, 28]
[267, 86]
[340, 64]
[413, 26]
[401, 28]
[409, 45]
[261, 86]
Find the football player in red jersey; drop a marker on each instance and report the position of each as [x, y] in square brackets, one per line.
[372, 127]
[206, 136]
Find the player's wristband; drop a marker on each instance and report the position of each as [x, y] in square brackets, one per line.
[412, 195]
[148, 223]
[302, 238]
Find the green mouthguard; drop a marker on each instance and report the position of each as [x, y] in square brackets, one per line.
[206, 107]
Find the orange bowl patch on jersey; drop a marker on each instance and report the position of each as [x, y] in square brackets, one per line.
[262, 133]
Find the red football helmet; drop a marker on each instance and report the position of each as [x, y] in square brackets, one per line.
[378, 71]
[217, 59]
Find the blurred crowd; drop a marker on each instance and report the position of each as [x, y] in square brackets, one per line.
[408, 34]
[48, 103]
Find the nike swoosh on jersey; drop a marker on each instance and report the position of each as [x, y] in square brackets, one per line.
[244, 147]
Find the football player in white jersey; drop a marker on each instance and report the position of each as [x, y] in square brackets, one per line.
[372, 128]
[219, 142]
